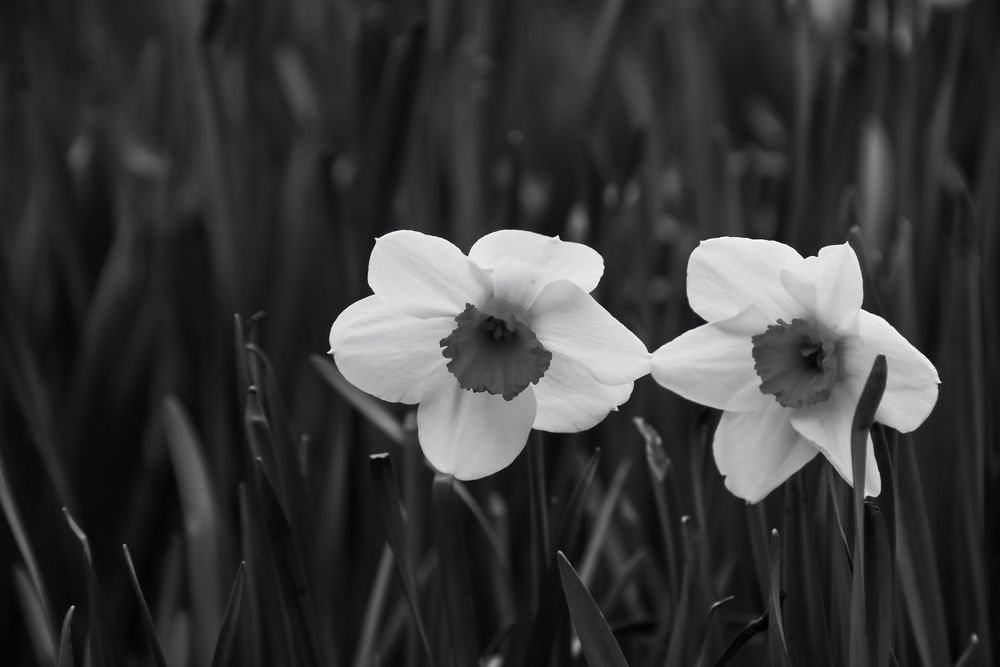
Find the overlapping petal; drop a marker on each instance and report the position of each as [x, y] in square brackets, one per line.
[756, 451]
[829, 286]
[523, 263]
[726, 275]
[713, 364]
[472, 435]
[828, 426]
[568, 321]
[425, 276]
[911, 388]
[386, 353]
[570, 399]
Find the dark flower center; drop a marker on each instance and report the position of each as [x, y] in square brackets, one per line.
[798, 362]
[494, 352]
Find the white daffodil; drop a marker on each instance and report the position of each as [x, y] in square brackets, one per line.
[785, 355]
[490, 345]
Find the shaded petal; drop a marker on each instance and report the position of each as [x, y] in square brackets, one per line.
[385, 353]
[523, 263]
[568, 321]
[757, 451]
[713, 364]
[472, 435]
[911, 388]
[571, 400]
[726, 275]
[829, 286]
[828, 426]
[425, 276]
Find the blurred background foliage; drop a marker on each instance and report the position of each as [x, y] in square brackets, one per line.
[166, 165]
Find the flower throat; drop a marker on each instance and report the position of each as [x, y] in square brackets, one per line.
[798, 362]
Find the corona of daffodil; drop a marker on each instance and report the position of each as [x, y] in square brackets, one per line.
[785, 354]
[490, 345]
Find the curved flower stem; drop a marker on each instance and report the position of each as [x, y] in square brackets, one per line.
[864, 417]
[459, 608]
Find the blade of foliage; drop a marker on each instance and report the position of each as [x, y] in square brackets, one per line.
[538, 506]
[33, 609]
[970, 652]
[803, 612]
[370, 407]
[201, 521]
[291, 579]
[746, 633]
[98, 649]
[454, 570]
[536, 632]
[776, 640]
[879, 584]
[225, 654]
[365, 651]
[596, 638]
[864, 417]
[147, 619]
[13, 516]
[385, 480]
[599, 534]
[65, 658]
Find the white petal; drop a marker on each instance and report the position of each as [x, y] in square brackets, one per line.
[425, 276]
[828, 426]
[568, 321]
[570, 400]
[713, 364]
[726, 275]
[829, 286]
[472, 435]
[385, 353]
[911, 388]
[523, 263]
[757, 451]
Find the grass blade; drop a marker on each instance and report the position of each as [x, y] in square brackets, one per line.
[65, 658]
[374, 411]
[225, 647]
[201, 522]
[454, 567]
[385, 478]
[35, 617]
[596, 638]
[147, 619]
[776, 628]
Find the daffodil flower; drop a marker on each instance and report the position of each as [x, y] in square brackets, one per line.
[785, 354]
[490, 345]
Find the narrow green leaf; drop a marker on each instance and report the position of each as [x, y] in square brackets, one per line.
[454, 569]
[291, 576]
[39, 632]
[864, 417]
[66, 658]
[9, 505]
[970, 652]
[98, 651]
[368, 406]
[147, 619]
[392, 515]
[879, 584]
[365, 651]
[201, 522]
[226, 649]
[746, 633]
[776, 639]
[596, 638]
[599, 533]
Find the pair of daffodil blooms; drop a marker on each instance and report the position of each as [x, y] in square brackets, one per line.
[508, 338]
